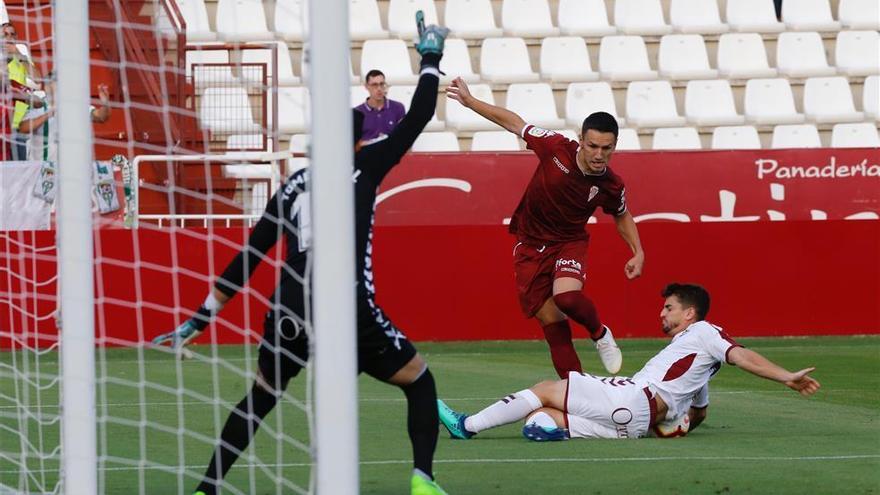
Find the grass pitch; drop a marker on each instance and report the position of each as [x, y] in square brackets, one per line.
[759, 437]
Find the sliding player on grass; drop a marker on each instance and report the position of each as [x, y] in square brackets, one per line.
[383, 350]
[571, 181]
[669, 392]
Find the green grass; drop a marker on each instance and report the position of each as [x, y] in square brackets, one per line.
[759, 437]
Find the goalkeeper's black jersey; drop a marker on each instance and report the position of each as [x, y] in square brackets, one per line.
[287, 213]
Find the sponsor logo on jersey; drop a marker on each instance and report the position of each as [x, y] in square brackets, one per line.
[562, 167]
[593, 192]
[572, 265]
[540, 132]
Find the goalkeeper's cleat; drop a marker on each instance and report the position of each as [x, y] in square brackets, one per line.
[431, 38]
[200, 493]
[538, 433]
[609, 353]
[422, 486]
[179, 338]
[453, 421]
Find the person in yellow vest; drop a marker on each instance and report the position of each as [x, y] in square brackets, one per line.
[19, 69]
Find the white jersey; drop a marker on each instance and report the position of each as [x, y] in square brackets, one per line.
[43, 141]
[680, 373]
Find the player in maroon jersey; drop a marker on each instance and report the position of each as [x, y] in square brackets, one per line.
[571, 181]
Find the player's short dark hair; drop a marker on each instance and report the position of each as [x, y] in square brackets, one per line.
[373, 73]
[357, 120]
[690, 296]
[602, 122]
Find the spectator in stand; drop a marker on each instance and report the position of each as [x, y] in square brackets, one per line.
[20, 69]
[381, 115]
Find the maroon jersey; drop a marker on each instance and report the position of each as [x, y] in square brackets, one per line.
[560, 198]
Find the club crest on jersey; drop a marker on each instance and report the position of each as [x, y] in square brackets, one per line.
[560, 165]
[593, 192]
[540, 132]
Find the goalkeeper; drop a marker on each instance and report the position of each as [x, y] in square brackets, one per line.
[383, 350]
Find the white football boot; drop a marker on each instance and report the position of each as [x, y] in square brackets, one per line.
[609, 353]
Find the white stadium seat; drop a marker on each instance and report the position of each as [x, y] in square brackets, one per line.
[756, 16]
[859, 14]
[584, 18]
[364, 22]
[696, 16]
[857, 53]
[304, 69]
[710, 103]
[534, 103]
[871, 97]
[456, 62]
[293, 110]
[743, 56]
[861, 135]
[651, 104]
[624, 58]
[242, 20]
[209, 75]
[628, 139]
[683, 56]
[566, 59]
[404, 95]
[299, 143]
[802, 55]
[285, 67]
[195, 13]
[460, 118]
[291, 19]
[644, 17]
[402, 15]
[436, 141]
[227, 111]
[244, 141]
[829, 99]
[568, 133]
[808, 15]
[471, 19]
[527, 18]
[795, 136]
[495, 141]
[359, 94]
[676, 138]
[744, 137]
[770, 101]
[582, 99]
[389, 56]
[506, 60]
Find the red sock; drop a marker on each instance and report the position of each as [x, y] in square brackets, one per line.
[562, 351]
[581, 309]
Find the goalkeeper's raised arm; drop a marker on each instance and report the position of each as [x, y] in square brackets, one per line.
[460, 92]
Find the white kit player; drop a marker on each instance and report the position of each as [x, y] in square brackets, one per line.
[669, 395]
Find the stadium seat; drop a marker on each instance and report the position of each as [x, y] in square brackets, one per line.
[624, 58]
[299, 143]
[857, 53]
[389, 56]
[293, 110]
[859, 14]
[755, 16]
[582, 99]
[506, 60]
[770, 101]
[495, 141]
[363, 20]
[242, 20]
[304, 69]
[471, 19]
[291, 19]
[808, 15]
[460, 118]
[584, 18]
[710, 103]
[404, 95]
[628, 139]
[696, 16]
[456, 62]
[527, 18]
[643, 17]
[401, 14]
[651, 104]
[227, 110]
[829, 99]
[244, 141]
[209, 75]
[359, 94]
[436, 141]
[566, 59]
[683, 56]
[194, 12]
[744, 137]
[871, 97]
[534, 103]
[568, 133]
[861, 135]
[742, 56]
[802, 55]
[795, 136]
[264, 56]
[676, 138]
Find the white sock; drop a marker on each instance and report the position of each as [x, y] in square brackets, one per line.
[512, 408]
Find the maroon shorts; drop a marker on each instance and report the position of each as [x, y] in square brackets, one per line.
[536, 267]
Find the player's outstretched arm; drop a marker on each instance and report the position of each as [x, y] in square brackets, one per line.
[751, 361]
[189, 330]
[460, 92]
[627, 229]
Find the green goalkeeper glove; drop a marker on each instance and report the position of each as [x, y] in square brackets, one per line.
[179, 338]
[431, 38]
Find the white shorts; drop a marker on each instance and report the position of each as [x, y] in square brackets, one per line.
[607, 407]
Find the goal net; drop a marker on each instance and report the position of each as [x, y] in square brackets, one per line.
[191, 133]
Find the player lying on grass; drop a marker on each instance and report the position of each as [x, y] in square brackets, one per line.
[383, 350]
[668, 395]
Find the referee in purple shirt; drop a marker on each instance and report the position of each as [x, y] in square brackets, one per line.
[381, 115]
